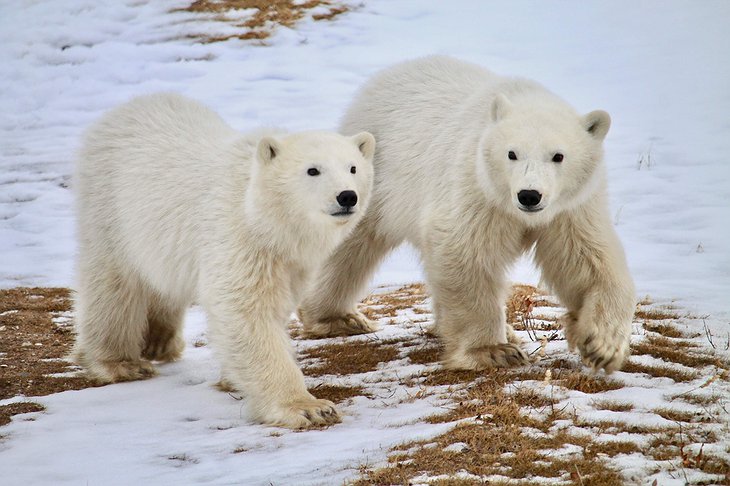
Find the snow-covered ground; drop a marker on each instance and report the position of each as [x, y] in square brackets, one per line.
[659, 68]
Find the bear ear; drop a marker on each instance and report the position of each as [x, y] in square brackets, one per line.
[597, 123]
[501, 106]
[365, 143]
[267, 150]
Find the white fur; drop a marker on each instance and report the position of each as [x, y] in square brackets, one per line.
[174, 207]
[444, 182]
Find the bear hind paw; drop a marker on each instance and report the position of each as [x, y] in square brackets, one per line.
[117, 371]
[506, 355]
[349, 324]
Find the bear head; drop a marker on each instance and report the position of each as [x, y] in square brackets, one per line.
[314, 180]
[539, 157]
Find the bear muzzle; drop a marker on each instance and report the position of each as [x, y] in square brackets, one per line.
[529, 200]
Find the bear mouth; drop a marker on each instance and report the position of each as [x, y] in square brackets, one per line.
[532, 209]
[342, 213]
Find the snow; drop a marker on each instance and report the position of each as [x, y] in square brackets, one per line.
[659, 69]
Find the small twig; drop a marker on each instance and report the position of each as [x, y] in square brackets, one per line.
[708, 333]
[577, 474]
[704, 385]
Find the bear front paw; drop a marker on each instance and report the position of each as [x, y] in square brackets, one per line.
[600, 347]
[601, 351]
[348, 324]
[302, 414]
[505, 355]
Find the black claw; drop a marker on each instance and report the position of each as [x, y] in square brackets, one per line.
[592, 356]
[605, 361]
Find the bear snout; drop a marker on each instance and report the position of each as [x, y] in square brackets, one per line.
[529, 199]
[347, 199]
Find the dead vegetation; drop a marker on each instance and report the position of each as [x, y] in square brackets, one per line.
[677, 351]
[264, 17]
[656, 314]
[7, 411]
[613, 406]
[347, 357]
[660, 371]
[337, 393]
[388, 304]
[508, 423]
[32, 345]
[496, 435]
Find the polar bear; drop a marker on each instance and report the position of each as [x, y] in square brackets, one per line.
[174, 206]
[474, 169]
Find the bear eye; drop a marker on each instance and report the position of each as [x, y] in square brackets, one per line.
[353, 170]
[313, 171]
[558, 157]
[512, 155]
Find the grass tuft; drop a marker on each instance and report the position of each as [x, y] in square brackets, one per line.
[266, 16]
[660, 371]
[613, 405]
[337, 393]
[349, 357]
[7, 411]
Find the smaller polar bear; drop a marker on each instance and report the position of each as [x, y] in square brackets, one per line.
[174, 207]
[473, 169]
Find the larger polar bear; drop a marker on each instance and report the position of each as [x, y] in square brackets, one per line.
[474, 169]
[174, 206]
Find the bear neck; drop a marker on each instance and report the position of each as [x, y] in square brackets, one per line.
[292, 239]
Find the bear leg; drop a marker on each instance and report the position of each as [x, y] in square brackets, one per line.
[583, 262]
[468, 303]
[331, 309]
[164, 341]
[110, 321]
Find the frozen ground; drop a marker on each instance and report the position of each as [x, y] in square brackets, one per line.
[659, 68]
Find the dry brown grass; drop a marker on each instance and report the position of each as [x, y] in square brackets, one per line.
[501, 420]
[665, 371]
[677, 415]
[611, 448]
[7, 411]
[613, 405]
[499, 441]
[656, 314]
[337, 393]
[617, 426]
[428, 354]
[666, 330]
[269, 14]
[700, 400]
[32, 346]
[677, 351]
[380, 305]
[582, 382]
[672, 446]
[348, 357]
[498, 446]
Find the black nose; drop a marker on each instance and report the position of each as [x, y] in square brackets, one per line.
[347, 199]
[529, 198]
